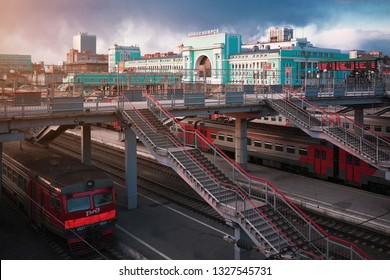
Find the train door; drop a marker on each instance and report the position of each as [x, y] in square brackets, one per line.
[203, 131]
[346, 163]
[323, 161]
[336, 159]
[35, 204]
[349, 168]
[353, 169]
[317, 161]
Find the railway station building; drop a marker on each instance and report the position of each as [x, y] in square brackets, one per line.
[219, 58]
[213, 58]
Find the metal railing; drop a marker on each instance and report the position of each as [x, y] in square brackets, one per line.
[45, 107]
[221, 190]
[261, 190]
[344, 130]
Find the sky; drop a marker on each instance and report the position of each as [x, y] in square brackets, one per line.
[45, 28]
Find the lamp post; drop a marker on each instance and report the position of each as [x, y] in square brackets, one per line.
[12, 71]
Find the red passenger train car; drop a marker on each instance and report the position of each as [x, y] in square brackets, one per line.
[289, 148]
[70, 199]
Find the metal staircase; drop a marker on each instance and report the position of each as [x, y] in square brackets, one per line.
[334, 127]
[275, 225]
[49, 133]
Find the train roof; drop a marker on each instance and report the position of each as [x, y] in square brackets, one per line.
[55, 170]
[264, 128]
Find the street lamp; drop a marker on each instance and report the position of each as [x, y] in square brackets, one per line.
[12, 71]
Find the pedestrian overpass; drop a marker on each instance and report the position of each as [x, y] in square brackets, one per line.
[254, 207]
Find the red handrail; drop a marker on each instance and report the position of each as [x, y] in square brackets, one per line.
[339, 114]
[245, 196]
[263, 180]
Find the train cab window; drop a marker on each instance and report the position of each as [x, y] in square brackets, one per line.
[280, 119]
[290, 149]
[323, 154]
[302, 151]
[317, 153]
[257, 144]
[377, 128]
[102, 199]
[78, 204]
[279, 147]
[268, 145]
[221, 137]
[213, 135]
[273, 119]
[229, 138]
[248, 141]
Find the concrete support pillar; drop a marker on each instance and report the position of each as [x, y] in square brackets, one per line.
[86, 148]
[241, 237]
[241, 143]
[359, 118]
[131, 167]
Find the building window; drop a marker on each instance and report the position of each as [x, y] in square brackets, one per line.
[249, 141]
[213, 135]
[229, 138]
[221, 137]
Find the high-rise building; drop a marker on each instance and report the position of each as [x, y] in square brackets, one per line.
[118, 53]
[281, 34]
[84, 42]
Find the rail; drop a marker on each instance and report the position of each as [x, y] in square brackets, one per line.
[260, 189]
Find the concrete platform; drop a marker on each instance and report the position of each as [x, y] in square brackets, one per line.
[346, 203]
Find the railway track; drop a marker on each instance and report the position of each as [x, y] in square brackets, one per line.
[149, 175]
[374, 244]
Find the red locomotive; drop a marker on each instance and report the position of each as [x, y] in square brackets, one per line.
[70, 199]
[289, 148]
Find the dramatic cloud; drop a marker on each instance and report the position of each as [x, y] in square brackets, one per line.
[45, 28]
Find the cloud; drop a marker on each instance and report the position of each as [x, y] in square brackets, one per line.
[45, 29]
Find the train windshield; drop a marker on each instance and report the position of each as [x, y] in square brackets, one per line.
[78, 204]
[102, 199]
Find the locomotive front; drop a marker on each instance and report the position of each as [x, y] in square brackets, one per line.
[89, 212]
